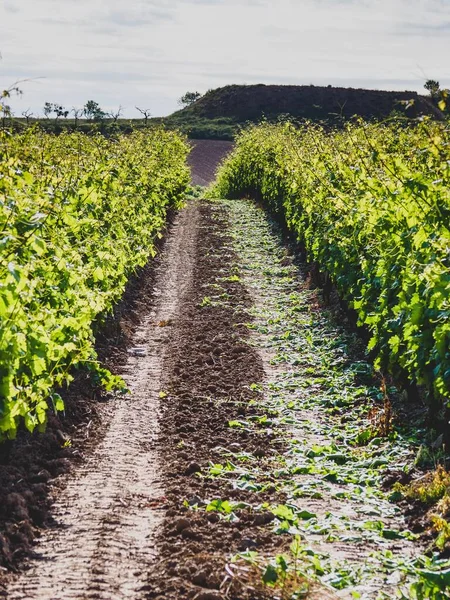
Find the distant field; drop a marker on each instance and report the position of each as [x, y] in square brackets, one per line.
[205, 157]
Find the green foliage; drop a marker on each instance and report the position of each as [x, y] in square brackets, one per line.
[222, 506]
[201, 128]
[432, 585]
[78, 215]
[58, 109]
[439, 96]
[433, 87]
[93, 111]
[442, 527]
[371, 203]
[194, 128]
[5, 109]
[429, 489]
[286, 574]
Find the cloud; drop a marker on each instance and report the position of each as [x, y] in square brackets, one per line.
[10, 7]
[420, 29]
[150, 52]
[126, 18]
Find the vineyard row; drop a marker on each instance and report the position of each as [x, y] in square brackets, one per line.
[371, 204]
[78, 216]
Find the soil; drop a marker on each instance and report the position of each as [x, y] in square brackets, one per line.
[205, 157]
[96, 524]
[117, 525]
[209, 372]
[33, 465]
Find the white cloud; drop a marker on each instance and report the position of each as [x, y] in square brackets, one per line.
[149, 52]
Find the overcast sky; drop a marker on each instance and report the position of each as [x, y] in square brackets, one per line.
[149, 52]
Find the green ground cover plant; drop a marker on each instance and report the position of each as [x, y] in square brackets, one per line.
[78, 216]
[341, 527]
[371, 204]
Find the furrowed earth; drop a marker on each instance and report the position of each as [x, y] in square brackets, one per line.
[240, 464]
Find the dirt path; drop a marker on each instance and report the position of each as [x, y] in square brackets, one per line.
[240, 467]
[261, 425]
[111, 507]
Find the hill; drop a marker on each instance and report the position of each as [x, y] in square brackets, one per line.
[219, 112]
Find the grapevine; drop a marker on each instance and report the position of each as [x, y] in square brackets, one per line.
[78, 216]
[371, 203]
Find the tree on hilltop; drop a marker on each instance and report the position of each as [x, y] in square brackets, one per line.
[116, 114]
[60, 111]
[189, 98]
[433, 87]
[438, 95]
[27, 114]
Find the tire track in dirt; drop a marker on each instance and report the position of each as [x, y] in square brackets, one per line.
[109, 511]
[210, 371]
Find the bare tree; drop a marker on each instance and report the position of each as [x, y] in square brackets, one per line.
[145, 112]
[117, 114]
[27, 114]
[77, 112]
